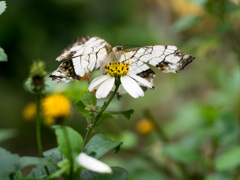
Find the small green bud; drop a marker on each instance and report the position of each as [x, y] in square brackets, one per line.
[92, 108]
[37, 76]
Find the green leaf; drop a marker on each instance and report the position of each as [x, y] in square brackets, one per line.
[29, 161]
[228, 160]
[81, 108]
[74, 90]
[6, 134]
[224, 27]
[39, 171]
[127, 113]
[18, 175]
[53, 155]
[11, 163]
[7, 163]
[180, 153]
[218, 176]
[185, 23]
[105, 115]
[64, 167]
[89, 99]
[118, 174]
[3, 56]
[129, 138]
[100, 145]
[3, 7]
[69, 141]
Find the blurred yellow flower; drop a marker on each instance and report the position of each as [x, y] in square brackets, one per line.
[145, 126]
[55, 109]
[29, 112]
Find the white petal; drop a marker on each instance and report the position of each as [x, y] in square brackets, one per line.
[95, 82]
[144, 82]
[121, 90]
[131, 86]
[93, 164]
[105, 87]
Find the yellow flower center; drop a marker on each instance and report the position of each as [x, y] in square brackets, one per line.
[117, 69]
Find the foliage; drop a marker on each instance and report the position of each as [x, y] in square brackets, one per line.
[194, 114]
[3, 6]
[3, 56]
[12, 163]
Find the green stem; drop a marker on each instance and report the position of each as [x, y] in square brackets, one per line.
[69, 150]
[106, 103]
[86, 136]
[39, 142]
[97, 117]
[38, 131]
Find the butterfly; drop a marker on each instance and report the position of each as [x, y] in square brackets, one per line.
[88, 53]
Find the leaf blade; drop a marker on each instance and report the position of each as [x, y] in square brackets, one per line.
[3, 55]
[100, 145]
[66, 137]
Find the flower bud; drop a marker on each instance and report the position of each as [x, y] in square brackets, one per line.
[37, 76]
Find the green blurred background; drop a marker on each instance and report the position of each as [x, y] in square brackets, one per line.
[198, 108]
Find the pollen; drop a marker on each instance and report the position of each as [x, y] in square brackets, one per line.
[117, 69]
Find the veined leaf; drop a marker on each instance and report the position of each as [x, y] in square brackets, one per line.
[100, 145]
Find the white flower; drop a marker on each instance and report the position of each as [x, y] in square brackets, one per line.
[93, 164]
[130, 83]
[104, 84]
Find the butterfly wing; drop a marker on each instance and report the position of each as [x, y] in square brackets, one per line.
[167, 58]
[81, 57]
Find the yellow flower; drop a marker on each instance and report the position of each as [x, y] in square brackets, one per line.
[29, 112]
[55, 109]
[145, 126]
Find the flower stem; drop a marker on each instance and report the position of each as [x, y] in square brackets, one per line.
[97, 117]
[39, 142]
[69, 150]
[86, 136]
[38, 131]
[106, 104]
